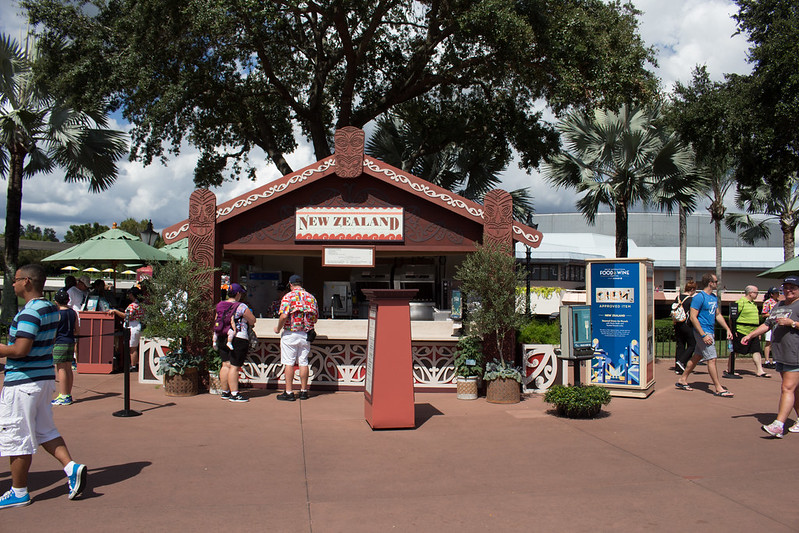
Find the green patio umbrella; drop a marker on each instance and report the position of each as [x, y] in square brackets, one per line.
[178, 249]
[112, 246]
[791, 266]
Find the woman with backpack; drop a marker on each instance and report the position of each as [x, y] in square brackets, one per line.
[683, 329]
[232, 359]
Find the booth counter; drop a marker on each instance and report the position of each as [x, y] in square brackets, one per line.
[338, 355]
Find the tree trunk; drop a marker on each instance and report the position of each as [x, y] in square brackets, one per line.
[788, 241]
[719, 289]
[11, 239]
[683, 224]
[621, 229]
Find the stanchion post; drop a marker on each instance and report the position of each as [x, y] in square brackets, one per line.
[125, 348]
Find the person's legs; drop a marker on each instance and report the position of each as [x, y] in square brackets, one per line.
[58, 449]
[224, 370]
[65, 378]
[233, 379]
[304, 372]
[790, 380]
[20, 465]
[714, 375]
[289, 375]
[679, 345]
[756, 358]
[134, 356]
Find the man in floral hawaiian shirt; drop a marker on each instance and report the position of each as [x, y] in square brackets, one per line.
[298, 314]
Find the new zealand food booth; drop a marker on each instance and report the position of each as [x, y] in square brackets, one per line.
[347, 224]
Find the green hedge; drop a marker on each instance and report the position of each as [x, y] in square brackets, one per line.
[539, 331]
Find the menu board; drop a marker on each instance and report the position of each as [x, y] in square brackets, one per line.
[370, 349]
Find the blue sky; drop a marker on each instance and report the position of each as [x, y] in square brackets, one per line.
[684, 32]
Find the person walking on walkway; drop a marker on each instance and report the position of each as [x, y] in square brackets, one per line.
[26, 416]
[298, 314]
[771, 299]
[705, 313]
[748, 320]
[684, 330]
[784, 325]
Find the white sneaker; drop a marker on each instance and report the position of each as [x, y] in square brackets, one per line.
[794, 428]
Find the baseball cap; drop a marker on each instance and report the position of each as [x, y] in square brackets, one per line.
[62, 296]
[793, 280]
[85, 280]
[235, 289]
[295, 279]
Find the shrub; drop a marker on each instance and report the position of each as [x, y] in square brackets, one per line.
[539, 331]
[469, 357]
[577, 402]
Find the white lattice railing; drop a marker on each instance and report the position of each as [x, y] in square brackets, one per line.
[333, 364]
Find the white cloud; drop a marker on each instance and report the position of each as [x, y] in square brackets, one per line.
[684, 32]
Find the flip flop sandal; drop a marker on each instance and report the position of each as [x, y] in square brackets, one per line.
[683, 387]
[724, 394]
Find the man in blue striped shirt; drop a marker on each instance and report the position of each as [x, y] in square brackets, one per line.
[26, 416]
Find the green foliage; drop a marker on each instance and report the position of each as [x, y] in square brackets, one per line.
[39, 133]
[500, 368]
[177, 309]
[35, 233]
[489, 277]
[176, 362]
[312, 67]
[79, 233]
[469, 357]
[664, 330]
[212, 360]
[135, 227]
[539, 331]
[577, 402]
[622, 158]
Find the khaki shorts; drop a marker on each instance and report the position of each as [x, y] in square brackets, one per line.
[26, 417]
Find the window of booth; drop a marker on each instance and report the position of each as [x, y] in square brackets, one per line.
[544, 272]
[574, 273]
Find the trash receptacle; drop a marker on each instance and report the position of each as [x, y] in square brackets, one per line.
[95, 347]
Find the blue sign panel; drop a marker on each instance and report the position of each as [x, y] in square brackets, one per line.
[615, 318]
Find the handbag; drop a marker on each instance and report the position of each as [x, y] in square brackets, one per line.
[253, 339]
[311, 335]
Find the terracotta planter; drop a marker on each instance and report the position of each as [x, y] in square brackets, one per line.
[467, 388]
[182, 385]
[503, 390]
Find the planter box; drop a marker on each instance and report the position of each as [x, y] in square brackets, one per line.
[467, 388]
[503, 390]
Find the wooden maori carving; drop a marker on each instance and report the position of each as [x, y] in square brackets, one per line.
[202, 236]
[498, 221]
[349, 152]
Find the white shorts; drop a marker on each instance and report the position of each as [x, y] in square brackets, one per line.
[294, 348]
[135, 335]
[26, 417]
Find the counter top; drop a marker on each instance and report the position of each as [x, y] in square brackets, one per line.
[421, 330]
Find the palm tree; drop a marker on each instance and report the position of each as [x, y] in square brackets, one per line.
[470, 171]
[38, 133]
[777, 203]
[620, 159]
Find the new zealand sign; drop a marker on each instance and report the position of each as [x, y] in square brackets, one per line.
[373, 224]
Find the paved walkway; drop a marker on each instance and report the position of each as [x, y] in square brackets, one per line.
[675, 461]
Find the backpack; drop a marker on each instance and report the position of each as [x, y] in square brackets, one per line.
[678, 312]
[224, 311]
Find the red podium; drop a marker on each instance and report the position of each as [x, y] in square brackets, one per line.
[389, 360]
[95, 347]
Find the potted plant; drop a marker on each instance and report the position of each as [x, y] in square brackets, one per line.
[504, 381]
[582, 401]
[176, 309]
[489, 278]
[468, 366]
[213, 362]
